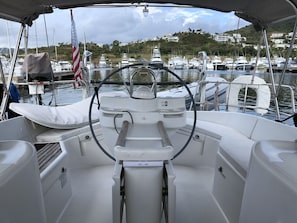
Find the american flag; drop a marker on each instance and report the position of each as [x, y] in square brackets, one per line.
[75, 52]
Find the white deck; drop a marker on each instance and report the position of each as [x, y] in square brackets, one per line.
[211, 174]
[91, 200]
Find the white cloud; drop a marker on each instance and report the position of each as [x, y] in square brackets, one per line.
[104, 25]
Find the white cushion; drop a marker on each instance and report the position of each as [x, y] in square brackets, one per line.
[61, 117]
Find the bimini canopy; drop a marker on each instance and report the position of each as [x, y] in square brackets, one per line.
[258, 12]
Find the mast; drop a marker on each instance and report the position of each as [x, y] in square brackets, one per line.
[8, 37]
[36, 39]
[85, 51]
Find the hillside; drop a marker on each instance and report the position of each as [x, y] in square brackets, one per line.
[253, 36]
[190, 43]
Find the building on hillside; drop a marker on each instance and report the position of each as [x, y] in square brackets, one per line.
[278, 40]
[222, 38]
[238, 38]
[277, 35]
[227, 38]
[171, 38]
[279, 43]
[289, 36]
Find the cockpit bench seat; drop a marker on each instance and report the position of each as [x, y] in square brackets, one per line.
[234, 146]
[57, 135]
[234, 152]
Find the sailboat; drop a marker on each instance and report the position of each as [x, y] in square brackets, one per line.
[130, 156]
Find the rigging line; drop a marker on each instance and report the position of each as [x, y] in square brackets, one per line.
[46, 34]
[236, 44]
[236, 40]
[257, 58]
[293, 116]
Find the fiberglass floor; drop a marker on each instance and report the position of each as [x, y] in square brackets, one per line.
[91, 201]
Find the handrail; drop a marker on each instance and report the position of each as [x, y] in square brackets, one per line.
[217, 104]
[163, 133]
[48, 82]
[121, 141]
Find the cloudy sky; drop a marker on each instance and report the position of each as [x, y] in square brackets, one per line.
[104, 25]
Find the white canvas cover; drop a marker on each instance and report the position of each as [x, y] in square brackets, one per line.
[60, 117]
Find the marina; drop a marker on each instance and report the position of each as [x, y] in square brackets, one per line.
[213, 140]
[66, 94]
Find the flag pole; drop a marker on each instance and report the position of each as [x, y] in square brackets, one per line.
[76, 66]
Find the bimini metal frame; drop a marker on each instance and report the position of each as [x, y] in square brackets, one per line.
[264, 33]
[275, 87]
[275, 90]
[10, 76]
[290, 48]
